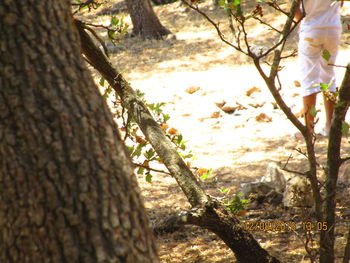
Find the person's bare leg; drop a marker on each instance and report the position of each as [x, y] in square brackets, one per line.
[309, 103]
[329, 109]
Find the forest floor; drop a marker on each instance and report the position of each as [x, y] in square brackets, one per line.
[192, 72]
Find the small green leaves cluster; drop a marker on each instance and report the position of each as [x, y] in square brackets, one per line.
[86, 5]
[140, 149]
[117, 28]
[232, 5]
[237, 204]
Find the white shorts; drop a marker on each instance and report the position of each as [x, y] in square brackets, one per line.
[314, 69]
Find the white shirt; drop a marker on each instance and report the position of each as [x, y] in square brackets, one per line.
[321, 14]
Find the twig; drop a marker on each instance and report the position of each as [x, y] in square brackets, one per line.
[291, 171]
[267, 24]
[86, 26]
[151, 169]
[220, 34]
[337, 66]
[343, 160]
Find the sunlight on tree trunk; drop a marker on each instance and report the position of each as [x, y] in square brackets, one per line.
[145, 21]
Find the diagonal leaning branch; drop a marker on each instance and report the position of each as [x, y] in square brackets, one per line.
[150, 128]
[213, 215]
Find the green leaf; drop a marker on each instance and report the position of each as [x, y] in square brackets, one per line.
[236, 2]
[124, 30]
[149, 154]
[326, 55]
[141, 170]
[225, 190]
[139, 93]
[107, 92]
[148, 178]
[130, 149]
[183, 146]
[112, 34]
[221, 3]
[166, 117]
[138, 150]
[205, 175]
[313, 111]
[114, 20]
[324, 87]
[102, 82]
[345, 128]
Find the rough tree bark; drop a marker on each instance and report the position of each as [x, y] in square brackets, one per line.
[334, 161]
[207, 212]
[67, 188]
[145, 21]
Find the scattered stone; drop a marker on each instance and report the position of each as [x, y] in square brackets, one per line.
[257, 188]
[278, 186]
[298, 192]
[276, 177]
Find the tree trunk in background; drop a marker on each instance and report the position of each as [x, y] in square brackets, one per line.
[162, 2]
[67, 188]
[144, 20]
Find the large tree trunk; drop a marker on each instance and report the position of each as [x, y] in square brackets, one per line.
[144, 20]
[67, 188]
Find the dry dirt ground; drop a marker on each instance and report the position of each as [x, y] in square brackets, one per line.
[237, 146]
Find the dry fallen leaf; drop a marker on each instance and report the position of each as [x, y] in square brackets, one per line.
[164, 126]
[192, 90]
[297, 83]
[173, 131]
[252, 90]
[229, 109]
[201, 171]
[215, 115]
[140, 139]
[220, 104]
[257, 105]
[274, 105]
[186, 115]
[262, 117]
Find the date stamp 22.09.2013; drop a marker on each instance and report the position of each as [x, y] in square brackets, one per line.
[284, 226]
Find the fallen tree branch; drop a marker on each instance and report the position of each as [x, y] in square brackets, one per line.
[215, 217]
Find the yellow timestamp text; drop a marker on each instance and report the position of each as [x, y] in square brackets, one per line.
[284, 226]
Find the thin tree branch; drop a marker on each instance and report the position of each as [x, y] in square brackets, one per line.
[151, 169]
